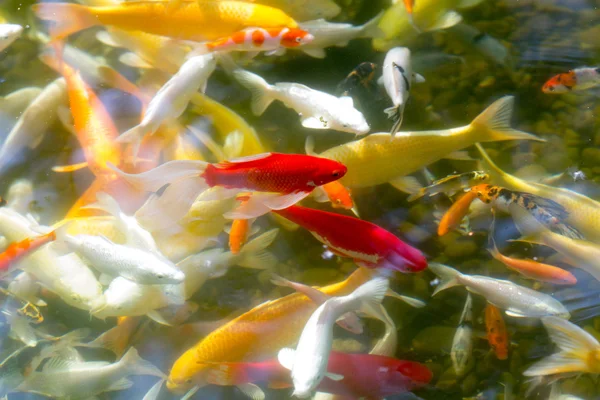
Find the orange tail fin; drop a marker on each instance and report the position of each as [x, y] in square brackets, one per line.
[67, 18]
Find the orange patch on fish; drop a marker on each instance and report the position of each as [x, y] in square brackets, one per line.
[456, 213]
[497, 334]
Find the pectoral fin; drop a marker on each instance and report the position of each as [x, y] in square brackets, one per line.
[316, 122]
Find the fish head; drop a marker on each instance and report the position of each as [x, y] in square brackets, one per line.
[561, 83]
[485, 192]
[405, 258]
[296, 37]
[351, 120]
[327, 170]
[187, 373]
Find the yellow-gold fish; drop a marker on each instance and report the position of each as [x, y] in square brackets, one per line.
[191, 20]
[380, 157]
[258, 333]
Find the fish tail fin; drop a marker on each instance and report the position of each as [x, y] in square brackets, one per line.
[448, 276]
[166, 173]
[417, 195]
[133, 137]
[371, 294]
[138, 366]
[397, 115]
[105, 202]
[259, 88]
[575, 346]
[254, 254]
[67, 18]
[493, 124]
[371, 28]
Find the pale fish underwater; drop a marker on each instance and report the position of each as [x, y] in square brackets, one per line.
[195, 199]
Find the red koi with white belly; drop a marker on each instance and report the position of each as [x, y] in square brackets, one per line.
[275, 180]
[366, 243]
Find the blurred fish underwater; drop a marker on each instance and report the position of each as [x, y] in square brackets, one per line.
[275, 199]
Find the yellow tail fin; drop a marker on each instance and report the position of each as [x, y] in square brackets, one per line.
[67, 18]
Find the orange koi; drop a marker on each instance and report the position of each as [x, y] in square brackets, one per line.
[238, 234]
[17, 250]
[534, 270]
[496, 331]
[339, 195]
[456, 213]
[576, 79]
[255, 335]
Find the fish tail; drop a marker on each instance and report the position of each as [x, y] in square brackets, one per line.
[417, 195]
[448, 276]
[138, 366]
[259, 88]
[106, 203]
[493, 124]
[164, 174]
[67, 18]
[575, 345]
[134, 137]
[254, 254]
[397, 115]
[371, 28]
[371, 294]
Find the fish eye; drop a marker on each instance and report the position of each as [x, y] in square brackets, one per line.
[160, 276]
[298, 39]
[335, 174]
[551, 88]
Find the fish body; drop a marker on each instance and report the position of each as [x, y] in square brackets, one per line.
[367, 244]
[488, 46]
[583, 213]
[93, 124]
[454, 216]
[497, 334]
[578, 351]
[260, 39]
[38, 117]
[278, 180]
[67, 276]
[574, 80]
[318, 110]
[328, 34]
[381, 157]
[397, 80]
[172, 98]
[577, 252]
[192, 20]
[63, 378]
[250, 337]
[547, 211]
[8, 34]
[361, 76]
[451, 184]
[535, 270]
[238, 234]
[462, 343]
[337, 194]
[308, 362]
[135, 264]
[304, 10]
[517, 301]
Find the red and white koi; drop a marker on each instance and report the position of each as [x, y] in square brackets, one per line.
[574, 80]
[260, 39]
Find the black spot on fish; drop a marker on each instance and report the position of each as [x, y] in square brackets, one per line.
[406, 82]
[398, 67]
[597, 70]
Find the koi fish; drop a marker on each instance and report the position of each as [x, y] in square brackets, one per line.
[172, 98]
[547, 211]
[259, 39]
[574, 80]
[583, 213]
[497, 334]
[62, 378]
[479, 42]
[578, 253]
[517, 301]
[328, 34]
[238, 234]
[308, 362]
[361, 76]
[462, 343]
[451, 184]
[397, 79]
[304, 10]
[367, 244]
[38, 117]
[533, 269]
[8, 34]
[381, 157]
[318, 110]
[234, 342]
[278, 180]
[380, 376]
[93, 124]
[348, 321]
[577, 350]
[15, 252]
[192, 20]
[453, 217]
